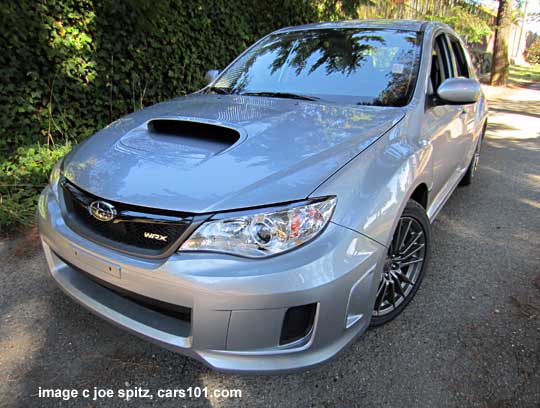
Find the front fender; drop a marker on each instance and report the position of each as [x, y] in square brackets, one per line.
[373, 188]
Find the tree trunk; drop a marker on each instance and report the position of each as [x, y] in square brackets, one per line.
[500, 63]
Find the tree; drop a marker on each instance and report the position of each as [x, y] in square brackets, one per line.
[500, 63]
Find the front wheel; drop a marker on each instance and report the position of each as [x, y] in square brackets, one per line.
[405, 263]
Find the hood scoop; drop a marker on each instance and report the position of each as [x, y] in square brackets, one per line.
[180, 138]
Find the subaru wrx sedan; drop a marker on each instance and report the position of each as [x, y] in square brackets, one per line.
[265, 221]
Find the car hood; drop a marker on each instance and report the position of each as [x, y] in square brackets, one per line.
[284, 151]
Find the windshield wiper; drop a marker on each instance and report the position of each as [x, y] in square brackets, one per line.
[282, 95]
[219, 90]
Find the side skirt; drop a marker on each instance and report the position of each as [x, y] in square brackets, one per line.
[444, 195]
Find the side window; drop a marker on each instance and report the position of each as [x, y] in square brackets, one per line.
[459, 57]
[441, 67]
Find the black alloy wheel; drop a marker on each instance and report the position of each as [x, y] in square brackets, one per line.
[405, 263]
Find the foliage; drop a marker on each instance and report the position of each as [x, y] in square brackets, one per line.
[21, 179]
[471, 27]
[532, 55]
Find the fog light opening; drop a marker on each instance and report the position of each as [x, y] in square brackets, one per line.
[298, 323]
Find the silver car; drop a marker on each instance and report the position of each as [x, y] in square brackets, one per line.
[265, 221]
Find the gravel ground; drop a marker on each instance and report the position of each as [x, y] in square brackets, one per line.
[470, 338]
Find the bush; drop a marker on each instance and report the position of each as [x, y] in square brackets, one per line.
[21, 179]
[532, 54]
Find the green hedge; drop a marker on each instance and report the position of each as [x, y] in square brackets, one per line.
[70, 67]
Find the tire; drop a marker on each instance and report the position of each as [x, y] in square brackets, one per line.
[405, 264]
[473, 165]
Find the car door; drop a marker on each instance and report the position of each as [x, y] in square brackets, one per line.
[469, 112]
[442, 126]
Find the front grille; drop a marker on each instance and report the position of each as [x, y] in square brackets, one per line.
[134, 229]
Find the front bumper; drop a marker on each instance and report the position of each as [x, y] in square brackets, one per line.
[237, 305]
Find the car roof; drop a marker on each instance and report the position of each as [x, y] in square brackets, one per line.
[408, 25]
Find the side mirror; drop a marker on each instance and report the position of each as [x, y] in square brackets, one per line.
[459, 91]
[211, 75]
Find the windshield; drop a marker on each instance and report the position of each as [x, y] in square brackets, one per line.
[363, 66]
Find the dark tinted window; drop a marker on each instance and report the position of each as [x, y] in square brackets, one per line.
[366, 66]
[459, 57]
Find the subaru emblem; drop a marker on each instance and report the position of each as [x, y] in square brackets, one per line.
[102, 211]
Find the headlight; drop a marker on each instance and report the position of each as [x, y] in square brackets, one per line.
[263, 232]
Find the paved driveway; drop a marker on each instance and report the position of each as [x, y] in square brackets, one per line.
[470, 338]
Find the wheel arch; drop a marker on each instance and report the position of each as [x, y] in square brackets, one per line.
[421, 194]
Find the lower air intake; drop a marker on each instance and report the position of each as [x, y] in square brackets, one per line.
[298, 322]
